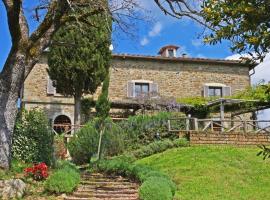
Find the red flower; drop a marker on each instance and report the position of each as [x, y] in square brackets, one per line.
[37, 172]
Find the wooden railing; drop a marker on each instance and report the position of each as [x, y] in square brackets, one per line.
[66, 129]
[224, 126]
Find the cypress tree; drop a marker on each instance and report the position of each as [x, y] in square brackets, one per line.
[79, 57]
[103, 104]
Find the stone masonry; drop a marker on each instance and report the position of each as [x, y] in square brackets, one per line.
[235, 138]
[174, 77]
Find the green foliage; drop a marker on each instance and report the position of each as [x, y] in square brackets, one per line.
[243, 22]
[103, 105]
[155, 188]
[62, 164]
[86, 105]
[199, 109]
[63, 180]
[59, 147]
[258, 92]
[204, 172]
[79, 55]
[123, 165]
[264, 151]
[32, 138]
[158, 146]
[85, 143]
[113, 140]
[17, 167]
[144, 129]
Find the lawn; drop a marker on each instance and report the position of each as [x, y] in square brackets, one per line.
[220, 173]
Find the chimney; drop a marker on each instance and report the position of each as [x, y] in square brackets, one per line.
[168, 51]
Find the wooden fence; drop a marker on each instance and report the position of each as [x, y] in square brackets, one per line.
[222, 126]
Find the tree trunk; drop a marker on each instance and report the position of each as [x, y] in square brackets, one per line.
[77, 111]
[11, 80]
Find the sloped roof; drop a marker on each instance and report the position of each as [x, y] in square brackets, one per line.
[244, 63]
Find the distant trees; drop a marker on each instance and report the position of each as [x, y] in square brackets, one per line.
[79, 58]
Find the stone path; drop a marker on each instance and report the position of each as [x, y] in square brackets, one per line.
[102, 187]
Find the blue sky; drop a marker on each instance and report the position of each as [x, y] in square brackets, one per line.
[149, 38]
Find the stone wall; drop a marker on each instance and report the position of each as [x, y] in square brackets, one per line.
[201, 138]
[175, 79]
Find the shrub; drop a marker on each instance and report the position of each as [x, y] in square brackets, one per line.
[144, 129]
[155, 188]
[63, 180]
[122, 165]
[85, 143]
[32, 138]
[59, 147]
[159, 146]
[37, 172]
[113, 139]
[61, 164]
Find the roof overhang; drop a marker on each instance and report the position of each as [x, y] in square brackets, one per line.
[243, 63]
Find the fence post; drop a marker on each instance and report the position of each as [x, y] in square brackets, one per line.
[169, 125]
[196, 126]
[187, 123]
[245, 126]
[212, 125]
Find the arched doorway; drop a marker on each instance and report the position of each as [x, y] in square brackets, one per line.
[62, 124]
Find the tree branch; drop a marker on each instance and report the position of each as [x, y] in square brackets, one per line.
[17, 24]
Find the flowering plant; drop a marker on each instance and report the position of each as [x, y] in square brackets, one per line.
[37, 172]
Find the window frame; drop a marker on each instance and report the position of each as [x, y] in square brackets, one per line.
[141, 84]
[215, 88]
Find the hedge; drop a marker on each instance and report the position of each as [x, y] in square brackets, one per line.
[158, 147]
[154, 184]
[64, 180]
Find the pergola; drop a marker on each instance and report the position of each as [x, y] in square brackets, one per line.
[222, 102]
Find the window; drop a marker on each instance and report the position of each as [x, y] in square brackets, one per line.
[215, 92]
[170, 53]
[141, 89]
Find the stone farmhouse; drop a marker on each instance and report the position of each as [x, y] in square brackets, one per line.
[133, 75]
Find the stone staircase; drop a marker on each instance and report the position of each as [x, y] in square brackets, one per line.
[101, 187]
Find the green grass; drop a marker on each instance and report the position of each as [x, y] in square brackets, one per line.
[220, 173]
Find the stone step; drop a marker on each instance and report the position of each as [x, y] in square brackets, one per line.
[114, 191]
[78, 198]
[104, 179]
[107, 195]
[105, 183]
[102, 187]
[106, 187]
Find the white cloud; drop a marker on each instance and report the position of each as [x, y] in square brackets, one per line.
[155, 30]
[238, 56]
[200, 56]
[144, 41]
[196, 42]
